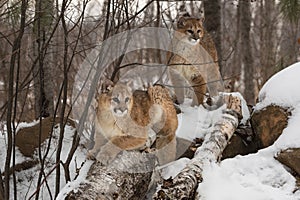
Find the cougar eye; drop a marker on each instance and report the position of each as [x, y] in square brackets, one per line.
[115, 99]
[190, 31]
[199, 31]
[127, 99]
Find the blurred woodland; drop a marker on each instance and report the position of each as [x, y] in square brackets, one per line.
[44, 42]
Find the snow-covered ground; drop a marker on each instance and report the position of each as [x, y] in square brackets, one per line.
[252, 177]
[27, 179]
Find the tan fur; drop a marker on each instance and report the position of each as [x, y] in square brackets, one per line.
[185, 54]
[147, 112]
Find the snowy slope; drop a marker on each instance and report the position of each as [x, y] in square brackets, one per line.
[27, 179]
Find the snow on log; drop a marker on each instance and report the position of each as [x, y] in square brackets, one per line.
[184, 185]
[127, 177]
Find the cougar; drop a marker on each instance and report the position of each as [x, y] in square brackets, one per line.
[139, 120]
[193, 57]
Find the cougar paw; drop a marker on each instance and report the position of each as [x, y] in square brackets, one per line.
[105, 157]
[91, 156]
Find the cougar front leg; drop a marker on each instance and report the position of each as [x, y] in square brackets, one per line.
[100, 141]
[199, 87]
[107, 153]
[166, 149]
[117, 144]
[178, 84]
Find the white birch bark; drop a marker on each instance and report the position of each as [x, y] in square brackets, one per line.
[127, 177]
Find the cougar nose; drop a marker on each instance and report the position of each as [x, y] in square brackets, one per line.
[120, 111]
[195, 36]
[123, 110]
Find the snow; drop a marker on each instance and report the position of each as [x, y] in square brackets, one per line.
[172, 169]
[26, 125]
[282, 89]
[75, 184]
[259, 176]
[196, 122]
[252, 177]
[263, 179]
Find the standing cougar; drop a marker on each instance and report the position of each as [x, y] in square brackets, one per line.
[193, 58]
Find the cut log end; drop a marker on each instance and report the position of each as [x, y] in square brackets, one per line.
[268, 124]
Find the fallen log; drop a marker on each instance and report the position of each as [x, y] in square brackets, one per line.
[127, 177]
[184, 185]
[268, 124]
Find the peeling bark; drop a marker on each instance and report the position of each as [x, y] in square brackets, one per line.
[184, 185]
[127, 177]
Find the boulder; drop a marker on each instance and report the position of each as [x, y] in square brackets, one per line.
[27, 138]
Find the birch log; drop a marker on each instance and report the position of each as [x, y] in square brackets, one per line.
[184, 185]
[127, 177]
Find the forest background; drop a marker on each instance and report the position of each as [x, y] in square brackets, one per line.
[43, 43]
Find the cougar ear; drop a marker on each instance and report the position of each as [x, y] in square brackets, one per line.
[181, 22]
[186, 14]
[201, 20]
[129, 84]
[107, 85]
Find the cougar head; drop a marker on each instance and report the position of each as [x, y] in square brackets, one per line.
[191, 29]
[121, 100]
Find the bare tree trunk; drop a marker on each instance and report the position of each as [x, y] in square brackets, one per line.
[64, 97]
[212, 13]
[289, 47]
[246, 49]
[11, 107]
[235, 69]
[183, 186]
[267, 39]
[1, 188]
[157, 24]
[42, 73]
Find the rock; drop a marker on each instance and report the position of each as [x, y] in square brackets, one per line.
[27, 138]
[291, 159]
[268, 124]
